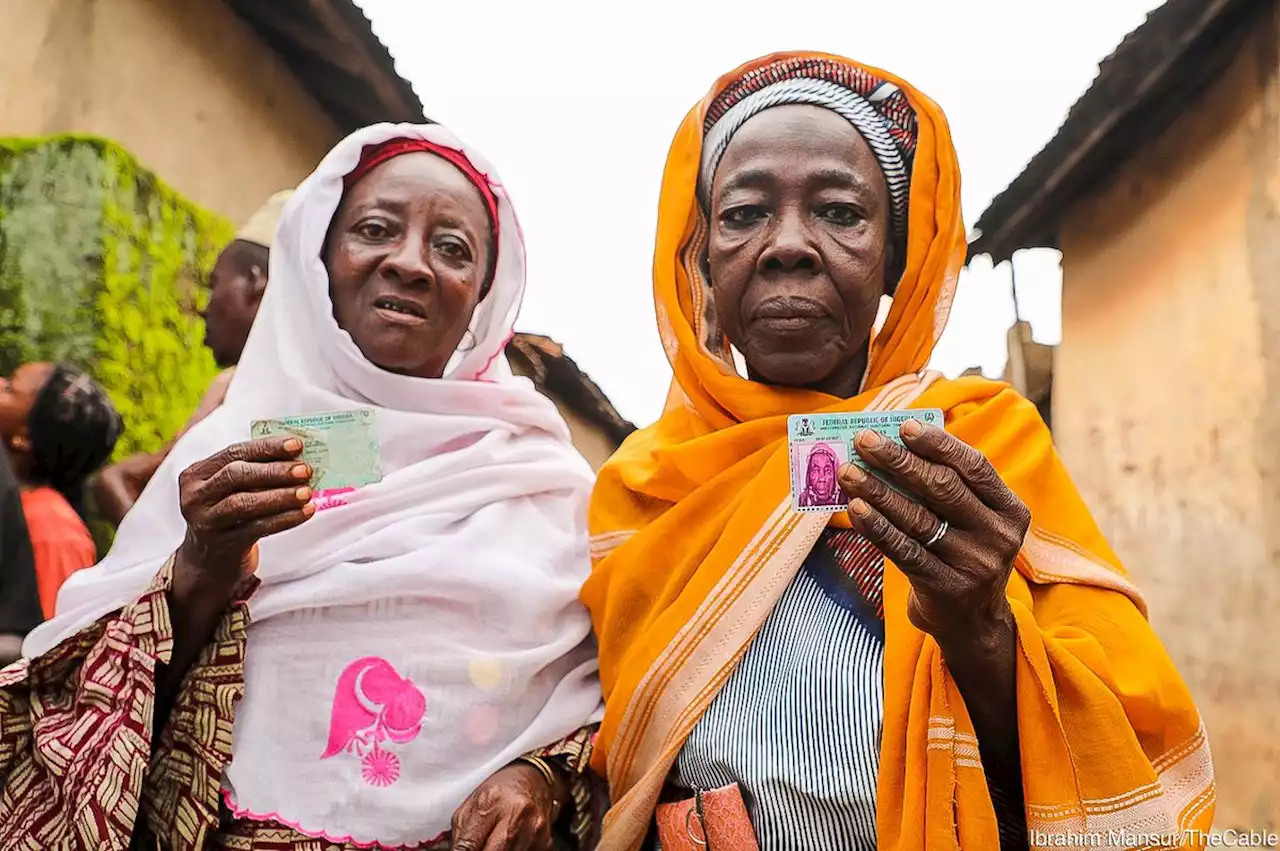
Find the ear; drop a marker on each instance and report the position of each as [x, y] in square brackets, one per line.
[257, 283]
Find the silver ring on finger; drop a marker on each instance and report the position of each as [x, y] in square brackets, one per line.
[938, 534]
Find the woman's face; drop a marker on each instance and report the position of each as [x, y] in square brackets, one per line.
[822, 473]
[407, 254]
[798, 247]
[17, 394]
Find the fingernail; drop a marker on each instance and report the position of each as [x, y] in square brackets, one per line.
[309, 509]
[303, 494]
[293, 445]
[868, 438]
[853, 473]
[301, 471]
[859, 507]
[911, 428]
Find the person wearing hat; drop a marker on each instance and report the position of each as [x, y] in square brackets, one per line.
[236, 285]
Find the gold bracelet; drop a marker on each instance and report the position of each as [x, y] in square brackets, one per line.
[549, 774]
[544, 768]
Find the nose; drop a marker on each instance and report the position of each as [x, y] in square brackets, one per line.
[791, 247]
[407, 262]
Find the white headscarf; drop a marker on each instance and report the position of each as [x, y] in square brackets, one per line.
[453, 582]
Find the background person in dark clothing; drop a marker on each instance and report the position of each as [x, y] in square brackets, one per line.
[19, 600]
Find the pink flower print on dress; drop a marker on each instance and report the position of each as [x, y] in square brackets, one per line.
[374, 706]
[380, 767]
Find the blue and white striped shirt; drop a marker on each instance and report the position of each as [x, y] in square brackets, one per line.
[798, 724]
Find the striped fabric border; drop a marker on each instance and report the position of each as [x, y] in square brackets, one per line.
[1046, 558]
[1167, 808]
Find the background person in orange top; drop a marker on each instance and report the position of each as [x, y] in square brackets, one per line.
[59, 427]
[236, 285]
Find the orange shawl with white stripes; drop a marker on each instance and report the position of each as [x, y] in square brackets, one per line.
[694, 542]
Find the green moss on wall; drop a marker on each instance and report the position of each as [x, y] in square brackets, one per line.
[104, 266]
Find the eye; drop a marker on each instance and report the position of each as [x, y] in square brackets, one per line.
[843, 215]
[373, 229]
[454, 249]
[742, 216]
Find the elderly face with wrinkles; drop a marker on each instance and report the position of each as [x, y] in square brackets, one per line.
[408, 254]
[798, 247]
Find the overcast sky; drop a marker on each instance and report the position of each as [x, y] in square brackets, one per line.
[576, 107]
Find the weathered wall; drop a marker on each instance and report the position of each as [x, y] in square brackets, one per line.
[1167, 404]
[185, 86]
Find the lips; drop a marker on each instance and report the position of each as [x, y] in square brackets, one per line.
[789, 314]
[789, 308]
[401, 310]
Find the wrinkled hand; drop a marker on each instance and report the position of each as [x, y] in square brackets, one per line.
[958, 581]
[514, 810]
[236, 497]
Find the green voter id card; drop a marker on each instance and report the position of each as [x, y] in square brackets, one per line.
[820, 444]
[340, 446]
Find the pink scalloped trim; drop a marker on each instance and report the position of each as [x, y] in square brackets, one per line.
[240, 813]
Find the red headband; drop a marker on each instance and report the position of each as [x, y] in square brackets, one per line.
[375, 155]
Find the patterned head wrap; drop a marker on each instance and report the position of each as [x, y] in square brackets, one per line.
[877, 109]
[74, 428]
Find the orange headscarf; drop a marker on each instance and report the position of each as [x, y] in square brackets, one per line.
[694, 541]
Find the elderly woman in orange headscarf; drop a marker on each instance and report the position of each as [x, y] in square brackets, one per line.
[957, 662]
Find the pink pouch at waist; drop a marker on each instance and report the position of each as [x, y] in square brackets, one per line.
[709, 821]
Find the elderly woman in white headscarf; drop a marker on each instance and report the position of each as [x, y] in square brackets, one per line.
[405, 664]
